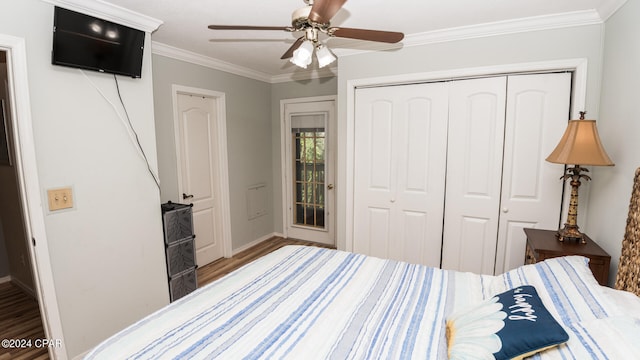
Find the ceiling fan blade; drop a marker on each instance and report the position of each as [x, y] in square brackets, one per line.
[247, 27]
[289, 52]
[323, 10]
[370, 35]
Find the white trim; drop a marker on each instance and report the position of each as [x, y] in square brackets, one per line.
[212, 63]
[505, 27]
[512, 26]
[24, 287]
[285, 171]
[578, 98]
[198, 59]
[256, 242]
[535, 23]
[19, 284]
[107, 11]
[25, 162]
[222, 201]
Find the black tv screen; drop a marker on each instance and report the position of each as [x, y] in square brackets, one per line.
[86, 42]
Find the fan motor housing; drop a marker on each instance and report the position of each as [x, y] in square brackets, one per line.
[300, 17]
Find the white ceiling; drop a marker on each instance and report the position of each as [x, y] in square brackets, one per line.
[185, 24]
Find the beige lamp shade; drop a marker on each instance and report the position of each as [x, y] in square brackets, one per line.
[580, 145]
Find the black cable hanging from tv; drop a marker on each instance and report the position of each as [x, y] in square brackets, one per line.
[115, 78]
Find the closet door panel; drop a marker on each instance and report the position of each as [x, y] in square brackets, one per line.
[474, 173]
[400, 157]
[478, 253]
[475, 126]
[536, 117]
[379, 147]
[415, 152]
[413, 233]
[378, 232]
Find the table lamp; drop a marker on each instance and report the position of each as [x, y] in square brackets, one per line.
[580, 145]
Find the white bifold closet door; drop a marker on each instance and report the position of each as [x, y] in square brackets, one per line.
[474, 173]
[538, 109]
[448, 174]
[399, 177]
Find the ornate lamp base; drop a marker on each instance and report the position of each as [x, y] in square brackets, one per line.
[570, 232]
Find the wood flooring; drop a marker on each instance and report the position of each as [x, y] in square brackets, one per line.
[221, 267]
[20, 319]
[20, 314]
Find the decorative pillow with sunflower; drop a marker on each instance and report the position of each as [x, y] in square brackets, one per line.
[511, 325]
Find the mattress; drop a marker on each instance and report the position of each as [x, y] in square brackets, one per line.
[311, 303]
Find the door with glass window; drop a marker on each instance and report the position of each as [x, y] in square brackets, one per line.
[308, 170]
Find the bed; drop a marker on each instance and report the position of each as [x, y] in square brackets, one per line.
[303, 302]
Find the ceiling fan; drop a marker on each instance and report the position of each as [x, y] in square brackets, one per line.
[312, 19]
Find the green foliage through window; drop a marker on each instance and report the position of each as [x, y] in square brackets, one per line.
[309, 176]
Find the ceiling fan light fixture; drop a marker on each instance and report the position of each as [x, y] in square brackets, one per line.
[303, 55]
[324, 55]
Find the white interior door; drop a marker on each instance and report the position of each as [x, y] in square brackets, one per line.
[196, 134]
[309, 170]
[474, 174]
[536, 117]
[399, 171]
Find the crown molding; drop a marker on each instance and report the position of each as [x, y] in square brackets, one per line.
[198, 59]
[535, 23]
[110, 12]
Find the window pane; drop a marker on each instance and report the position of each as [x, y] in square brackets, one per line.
[309, 176]
[299, 214]
[319, 151]
[299, 171]
[320, 217]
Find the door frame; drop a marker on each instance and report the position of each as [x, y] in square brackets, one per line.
[285, 172]
[221, 187]
[346, 137]
[24, 157]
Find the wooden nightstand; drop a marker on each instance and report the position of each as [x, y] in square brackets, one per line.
[543, 244]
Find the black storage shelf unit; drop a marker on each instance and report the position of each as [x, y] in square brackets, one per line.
[179, 241]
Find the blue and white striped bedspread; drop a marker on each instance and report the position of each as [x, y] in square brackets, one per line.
[310, 303]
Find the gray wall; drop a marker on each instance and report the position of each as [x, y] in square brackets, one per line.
[107, 253]
[253, 136]
[248, 121]
[557, 44]
[619, 130]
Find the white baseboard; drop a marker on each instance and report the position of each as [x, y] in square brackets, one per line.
[18, 283]
[24, 287]
[255, 242]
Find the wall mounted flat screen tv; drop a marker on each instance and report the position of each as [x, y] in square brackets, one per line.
[85, 42]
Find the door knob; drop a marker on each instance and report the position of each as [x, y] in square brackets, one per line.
[505, 210]
[185, 196]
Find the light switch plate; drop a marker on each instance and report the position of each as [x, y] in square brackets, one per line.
[59, 199]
